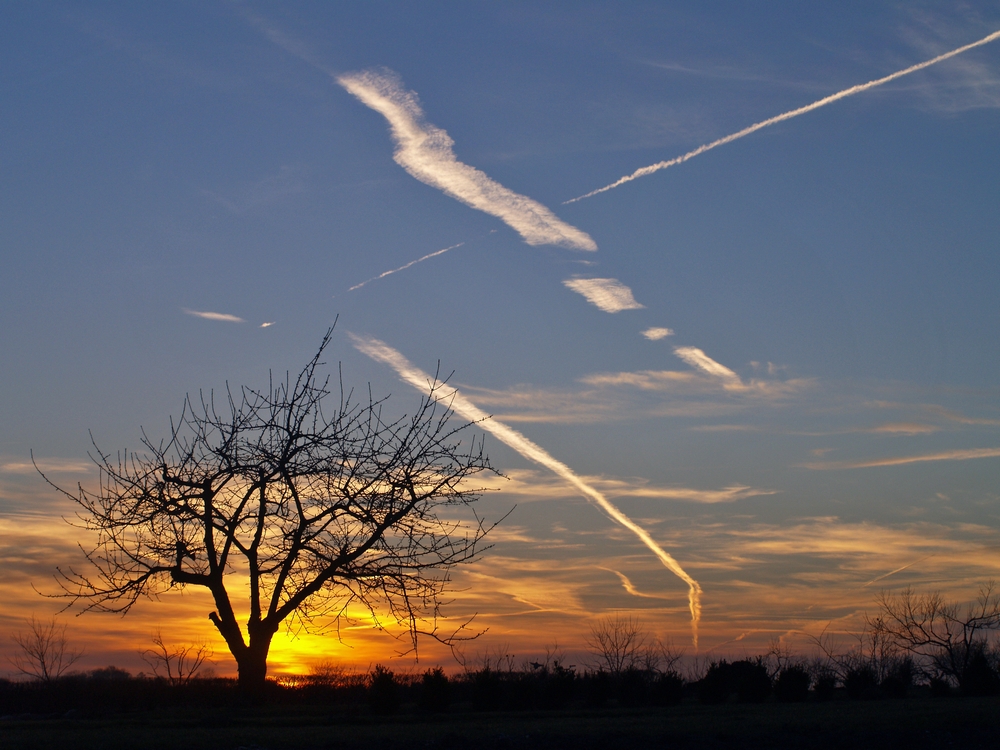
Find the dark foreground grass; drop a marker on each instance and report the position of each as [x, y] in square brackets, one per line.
[885, 724]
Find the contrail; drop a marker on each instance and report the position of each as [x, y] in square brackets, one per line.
[420, 380]
[403, 268]
[425, 151]
[789, 115]
[897, 570]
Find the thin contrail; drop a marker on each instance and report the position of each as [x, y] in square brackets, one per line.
[420, 380]
[897, 570]
[789, 115]
[403, 268]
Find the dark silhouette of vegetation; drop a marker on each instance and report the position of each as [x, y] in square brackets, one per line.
[747, 680]
[383, 691]
[792, 684]
[951, 641]
[435, 691]
[177, 664]
[310, 508]
[43, 652]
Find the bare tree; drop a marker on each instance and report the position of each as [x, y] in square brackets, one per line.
[937, 631]
[177, 664]
[43, 651]
[618, 643]
[306, 510]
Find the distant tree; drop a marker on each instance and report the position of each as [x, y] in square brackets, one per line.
[618, 644]
[942, 633]
[43, 651]
[177, 664]
[308, 509]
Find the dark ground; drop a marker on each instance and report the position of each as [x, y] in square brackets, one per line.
[884, 724]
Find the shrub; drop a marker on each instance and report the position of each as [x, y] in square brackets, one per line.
[667, 689]
[597, 688]
[979, 677]
[861, 683]
[792, 685]
[940, 688]
[435, 691]
[899, 680]
[383, 691]
[825, 687]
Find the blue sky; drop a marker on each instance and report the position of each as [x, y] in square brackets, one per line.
[841, 267]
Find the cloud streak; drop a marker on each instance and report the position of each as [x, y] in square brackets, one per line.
[610, 295]
[404, 267]
[381, 352]
[224, 317]
[655, 334]
[642, 172]
[701, 361]
[425, 151]
[959, 455]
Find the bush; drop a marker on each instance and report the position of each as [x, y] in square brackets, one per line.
[861, 683]
[435, 691]
[714, 687]
[667, 689]
[792, 685]
[979, 677]
[899, 680]
[383, 691]
[825, 687]
[597, 688]
[940, 688]
[633, 688]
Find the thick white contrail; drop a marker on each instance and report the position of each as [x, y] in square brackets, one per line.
[697, 358]
[420, 380]
[788, 115]
[403, 268]
[425, 151]
[610, 295]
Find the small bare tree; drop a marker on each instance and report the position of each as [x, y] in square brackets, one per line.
[177, 664]
[937, 631]
[618, 643]
[308, 509]
[43, 651]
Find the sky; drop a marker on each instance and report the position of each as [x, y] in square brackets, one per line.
[732, 397]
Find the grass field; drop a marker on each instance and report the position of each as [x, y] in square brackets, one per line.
[884, 724]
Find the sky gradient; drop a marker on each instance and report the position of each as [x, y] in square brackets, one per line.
[742, 393]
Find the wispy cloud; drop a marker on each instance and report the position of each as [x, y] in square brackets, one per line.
[528, 484]
[404, 267]
[420, 380]
[788, 115]
[610, 295]
[957, 455]
[225, 317]
[49, 466]
[655, 334]
[904, 428]
[425, 151]
[267, 324]
[701, 361]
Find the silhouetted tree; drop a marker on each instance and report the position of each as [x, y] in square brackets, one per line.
[43, 651]
[618, 643]
[941, 632]
[305, 508]
[176, 664]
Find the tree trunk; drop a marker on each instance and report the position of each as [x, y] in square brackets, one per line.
[252, 667]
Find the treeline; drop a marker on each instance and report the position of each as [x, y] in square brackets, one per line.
[543, 687]
[913, 645]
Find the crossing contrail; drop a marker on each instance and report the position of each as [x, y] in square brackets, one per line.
[788, 115]
[420, 380]
[404, 267]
